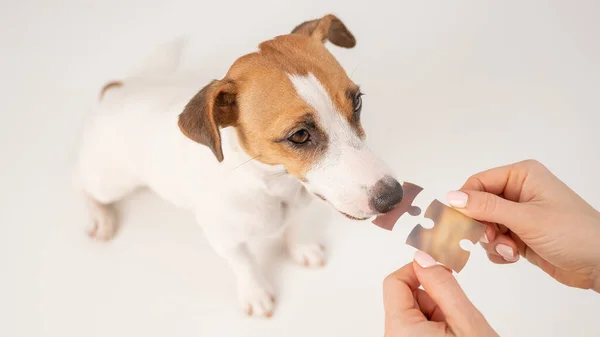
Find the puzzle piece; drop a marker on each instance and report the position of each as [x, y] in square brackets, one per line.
[442, 241]
[388, 220]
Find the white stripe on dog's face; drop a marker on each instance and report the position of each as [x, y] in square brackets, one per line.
[348, 174]
[330, 119]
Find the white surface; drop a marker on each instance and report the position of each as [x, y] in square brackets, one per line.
[452, 88]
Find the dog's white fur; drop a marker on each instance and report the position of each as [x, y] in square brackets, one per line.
[133, 140]
[348, 166]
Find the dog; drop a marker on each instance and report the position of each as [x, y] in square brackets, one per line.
[280, 130]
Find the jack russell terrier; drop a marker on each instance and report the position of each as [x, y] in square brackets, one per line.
[282, 125]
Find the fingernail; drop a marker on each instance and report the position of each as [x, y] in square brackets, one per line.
[424, 260]
[506, 252]
[485, 239]
[457, 199]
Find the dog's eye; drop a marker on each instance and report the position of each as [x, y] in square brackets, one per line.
[358, 102]
[300, 137]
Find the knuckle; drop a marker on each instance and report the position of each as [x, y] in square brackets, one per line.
[530, 162]
[389, 281]
[474, 183]
[444, 280]
[489, 204]
[485, 204]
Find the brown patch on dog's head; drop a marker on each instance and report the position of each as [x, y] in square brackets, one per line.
[263, 104]
[211, 108]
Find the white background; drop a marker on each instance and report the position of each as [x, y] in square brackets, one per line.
[452, 88]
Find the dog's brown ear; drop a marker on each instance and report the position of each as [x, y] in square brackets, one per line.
[329, 28]
[211, 108]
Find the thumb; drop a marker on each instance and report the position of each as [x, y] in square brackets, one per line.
[439, 283]
[489, 207]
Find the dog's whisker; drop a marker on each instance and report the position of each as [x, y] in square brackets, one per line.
[353, 71]
[277, 174]
[246, 162]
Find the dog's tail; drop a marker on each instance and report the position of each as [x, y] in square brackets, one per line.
[165, 59]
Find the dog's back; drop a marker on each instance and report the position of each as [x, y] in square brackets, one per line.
[132, 140]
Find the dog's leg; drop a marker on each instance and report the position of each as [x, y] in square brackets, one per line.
[310, 255]
[255, 294]
[102, 210]
[102, 186]
[165, 58]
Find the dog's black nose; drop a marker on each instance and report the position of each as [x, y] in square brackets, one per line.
[385, 195]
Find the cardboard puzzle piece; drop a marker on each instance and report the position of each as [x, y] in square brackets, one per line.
[388, 220]
[442, 241]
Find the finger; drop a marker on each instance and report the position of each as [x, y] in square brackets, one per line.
[398, 290]
[444, 290]
[428, 306]
[505, 247]
[490, 232]
[504, 180]
[528, 253]
[489, 207]
[502, 229]
[492, 180]
[400, 305]
[497, 259]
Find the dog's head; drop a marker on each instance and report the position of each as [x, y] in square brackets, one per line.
[293, 106]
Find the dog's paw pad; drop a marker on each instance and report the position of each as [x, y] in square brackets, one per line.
[257, 301]
[104, 227]
[308, 255]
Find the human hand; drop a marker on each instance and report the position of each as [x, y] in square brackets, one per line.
[529, 212]
[441, 309]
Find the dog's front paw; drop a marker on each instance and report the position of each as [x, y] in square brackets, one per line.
[256, 299]
[310, 255]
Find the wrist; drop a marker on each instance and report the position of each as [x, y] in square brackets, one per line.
[596, 271]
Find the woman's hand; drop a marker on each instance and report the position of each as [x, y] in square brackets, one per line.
[441, 309]
[531, 213]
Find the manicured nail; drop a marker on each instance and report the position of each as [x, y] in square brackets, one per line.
[457, 199]
[424, 260]
[484, 238]
[506, 252]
